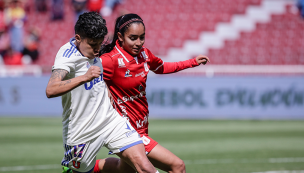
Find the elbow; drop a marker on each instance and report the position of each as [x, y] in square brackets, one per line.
[49, 93]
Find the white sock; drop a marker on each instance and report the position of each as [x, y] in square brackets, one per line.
[156, 171]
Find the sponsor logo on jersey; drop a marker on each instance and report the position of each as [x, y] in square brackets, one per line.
[121, 63]
[142, 74]
[127, 74]
[141, 123]
[128, 127]
[89, 85]
[124, 111]
[126, 99]
[128, 134]
[131, 98]
[145, 140]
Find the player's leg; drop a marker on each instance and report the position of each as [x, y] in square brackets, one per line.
[136, 157]
[131, 159]
[163, 159]
[125, 142]
[111, 164]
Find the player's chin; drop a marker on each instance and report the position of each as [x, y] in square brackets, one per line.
[135, 52]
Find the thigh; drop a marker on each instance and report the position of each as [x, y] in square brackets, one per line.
[122, 136]
[162, 158]
[134, 156]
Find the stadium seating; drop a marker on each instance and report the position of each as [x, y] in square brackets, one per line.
[279, 42]
[169, 23]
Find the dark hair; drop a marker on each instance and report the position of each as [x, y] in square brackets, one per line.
[121, 25]
[91, 25]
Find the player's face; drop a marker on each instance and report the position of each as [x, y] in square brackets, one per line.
[89, 47]
[133, 39]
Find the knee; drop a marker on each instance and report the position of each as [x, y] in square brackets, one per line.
[179, 166]
[147, 167]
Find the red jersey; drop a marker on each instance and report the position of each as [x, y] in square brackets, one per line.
[126, 78]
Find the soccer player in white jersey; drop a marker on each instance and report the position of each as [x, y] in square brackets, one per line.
[89, 120]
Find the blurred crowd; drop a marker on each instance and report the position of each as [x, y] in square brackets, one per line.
[104, 7]
[19, 45]
[300, 5]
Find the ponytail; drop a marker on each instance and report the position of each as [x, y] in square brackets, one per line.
[106, 48]
[121, 25]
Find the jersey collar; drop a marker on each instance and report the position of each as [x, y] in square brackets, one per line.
[123, 53]
[72, 40]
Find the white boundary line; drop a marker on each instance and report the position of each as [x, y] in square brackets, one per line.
[293, 171]
[26, 168]
[225, 161]
[187, 162]
[249, 69]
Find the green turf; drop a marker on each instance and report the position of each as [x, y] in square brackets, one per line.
[213, 146]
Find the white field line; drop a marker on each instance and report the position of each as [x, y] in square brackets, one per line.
[26, 168]
[293, 171]
[223, 161]
[187, 162]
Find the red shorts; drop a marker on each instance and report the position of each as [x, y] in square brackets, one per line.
[149, 143]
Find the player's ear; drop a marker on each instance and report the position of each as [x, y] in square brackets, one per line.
[78, 38]
[120, 37]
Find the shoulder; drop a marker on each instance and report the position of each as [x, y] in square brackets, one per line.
[110, 58]
[114, 54]
[67, 50]
[146, 50]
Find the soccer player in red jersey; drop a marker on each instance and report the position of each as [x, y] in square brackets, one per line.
[126, 65]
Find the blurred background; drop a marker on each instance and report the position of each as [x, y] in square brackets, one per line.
[242, 112]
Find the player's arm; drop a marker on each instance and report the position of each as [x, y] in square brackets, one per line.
[172, 67]
[58, 87]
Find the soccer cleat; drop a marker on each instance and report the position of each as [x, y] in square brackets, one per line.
[66, 170]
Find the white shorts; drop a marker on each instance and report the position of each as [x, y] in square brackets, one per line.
[82, 157]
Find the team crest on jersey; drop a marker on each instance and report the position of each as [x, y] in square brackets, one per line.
[95, 61]
[121, 63]
[145, 140]
[88, 65]
[127, 74]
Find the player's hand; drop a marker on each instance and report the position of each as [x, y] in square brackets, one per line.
[92, 73]
[201, 59]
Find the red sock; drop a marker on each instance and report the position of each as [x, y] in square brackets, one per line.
[96, 168]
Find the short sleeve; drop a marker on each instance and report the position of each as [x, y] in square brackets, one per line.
[63, 62]
[154, 62]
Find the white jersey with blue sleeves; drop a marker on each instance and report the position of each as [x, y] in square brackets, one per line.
[87, 111]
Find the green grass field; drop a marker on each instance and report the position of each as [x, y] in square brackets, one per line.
[34, 145]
